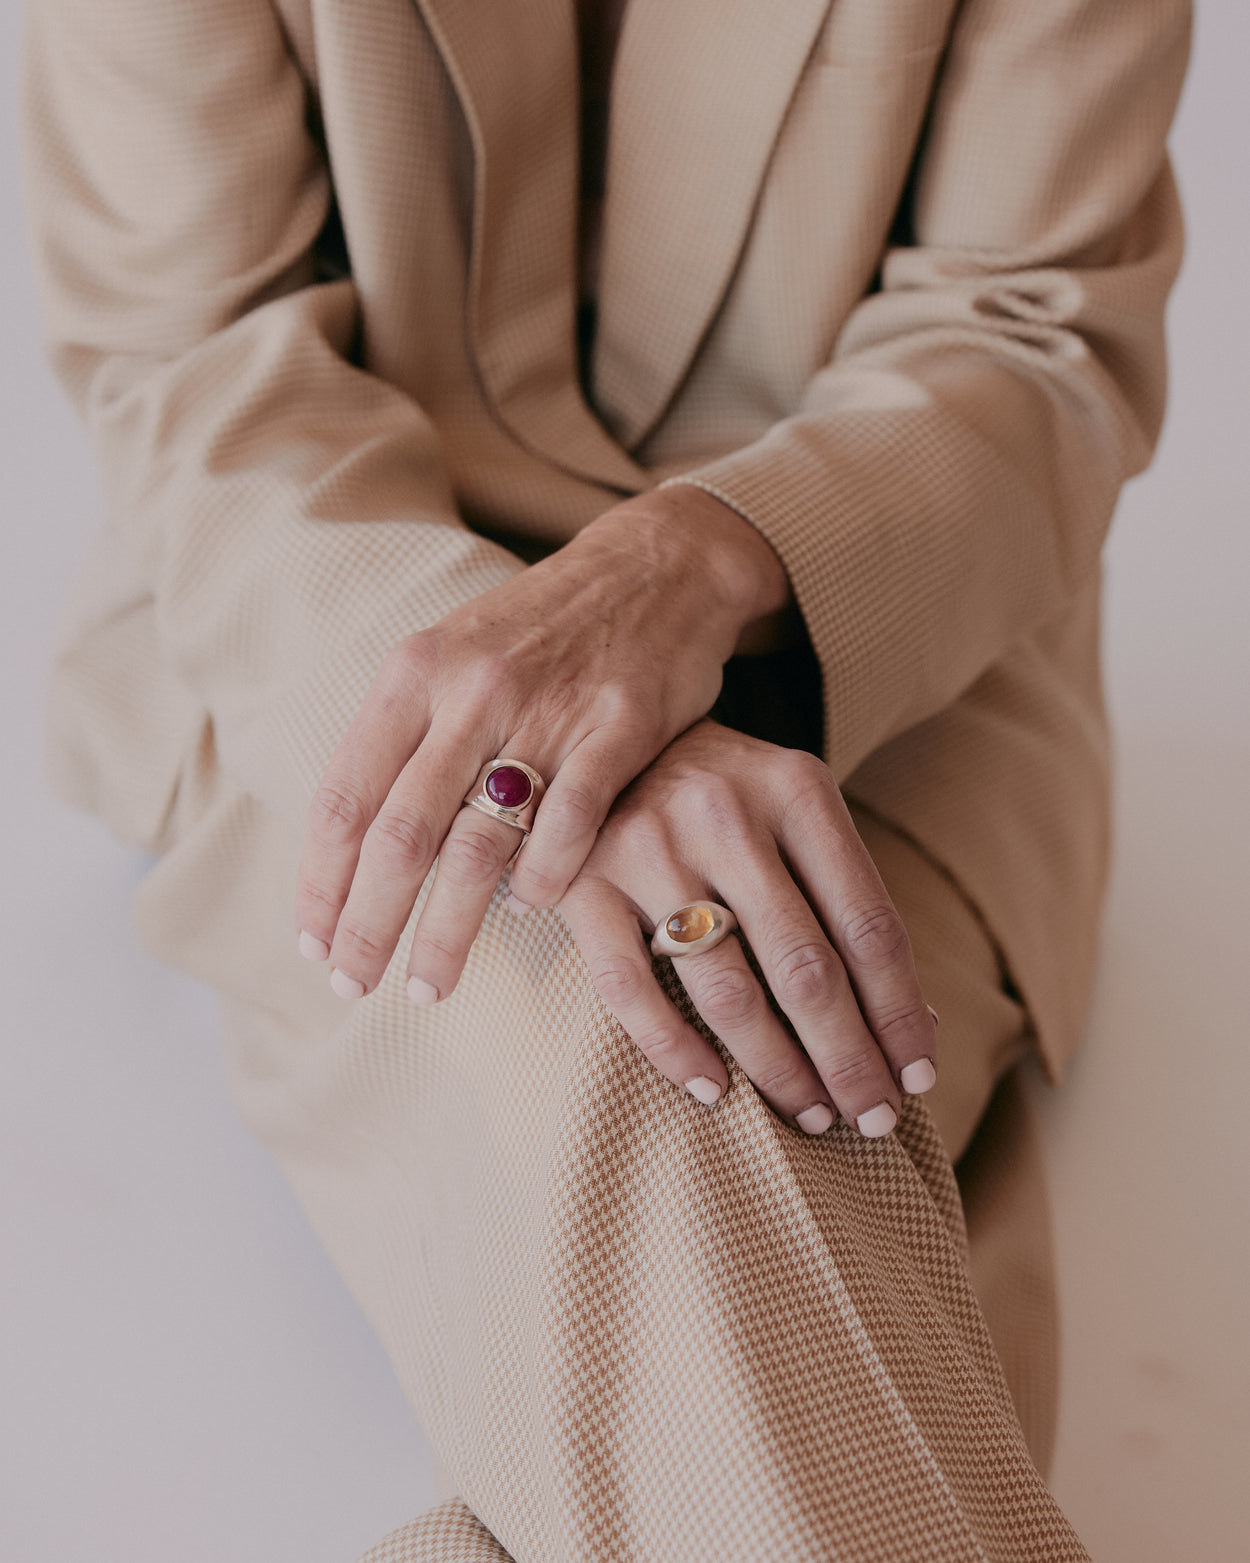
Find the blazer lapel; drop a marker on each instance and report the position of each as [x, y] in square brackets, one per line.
[514, 67]
[699, 91]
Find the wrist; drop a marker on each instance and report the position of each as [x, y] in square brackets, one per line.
[691, 538]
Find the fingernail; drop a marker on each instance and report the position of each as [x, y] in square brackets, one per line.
[312, 948]
[517, 907]
[346, 987]
[421, 992]
[919, 1077]
[704, 1090]
[815, 1119]
[877, 1121]
[934, 1013]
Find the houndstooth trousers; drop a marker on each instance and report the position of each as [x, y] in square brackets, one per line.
[633, 1327]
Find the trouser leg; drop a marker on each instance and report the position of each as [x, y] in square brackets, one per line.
[983, 1117]
[1011, 1261]
[632, 1327]
[450, 1533]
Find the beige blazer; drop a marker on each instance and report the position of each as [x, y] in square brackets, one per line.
[886, 276]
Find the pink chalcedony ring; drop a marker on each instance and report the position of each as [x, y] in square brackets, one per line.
[509, 790]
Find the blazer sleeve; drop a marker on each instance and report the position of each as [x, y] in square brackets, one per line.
[289, 513]
[946, 483]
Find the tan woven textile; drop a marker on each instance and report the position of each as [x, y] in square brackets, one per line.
[289, 448]
[631, 1327]
[887, 276]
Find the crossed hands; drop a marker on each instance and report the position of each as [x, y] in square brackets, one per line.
[596, 667]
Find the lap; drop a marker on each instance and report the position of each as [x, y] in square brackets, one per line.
[441, 1152]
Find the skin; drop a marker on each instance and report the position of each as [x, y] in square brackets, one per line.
[596, 667]
[723, 816]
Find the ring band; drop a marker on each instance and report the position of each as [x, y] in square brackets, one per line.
[509, 790]
[693, 928]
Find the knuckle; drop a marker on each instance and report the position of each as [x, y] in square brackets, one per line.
[849, 1074]
[410, 659]
[541, 886]
[785, 1081]
[576, 807]
[401, 841]
[638, 834]
[366, 943]
[803, 770]
[659, 1047]
[625, 709]
[807, 974]
[875, 936]
[719, 805]
[902, 1022]
[619, 981]
[491, 675]
[805, 782]
[729, 998]
[317, 898]
[337, 814]
[433, 952]
[472, 855]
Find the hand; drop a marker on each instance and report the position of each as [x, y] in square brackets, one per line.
[721, 816]
[583, 666]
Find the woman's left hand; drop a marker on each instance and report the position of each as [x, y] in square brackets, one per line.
[723, 817]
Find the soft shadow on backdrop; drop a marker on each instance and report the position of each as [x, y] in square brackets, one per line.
[183, 1375]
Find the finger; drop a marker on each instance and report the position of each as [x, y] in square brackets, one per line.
[584, 787]
[730, 999]
[388, 728]
[606, 930]
[471, 859]
[811, 984]
[395, 857]
[843, 885]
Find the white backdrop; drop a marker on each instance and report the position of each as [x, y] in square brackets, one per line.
[182, 1375]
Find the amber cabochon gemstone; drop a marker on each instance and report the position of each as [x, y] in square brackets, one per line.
[689, 924]
[509, 787]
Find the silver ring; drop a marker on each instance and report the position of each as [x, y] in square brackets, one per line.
[693, 928]
[509, 790]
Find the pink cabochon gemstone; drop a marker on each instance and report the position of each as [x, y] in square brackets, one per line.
[509, 787]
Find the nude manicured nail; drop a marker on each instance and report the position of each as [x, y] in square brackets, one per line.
[346, 987]
[877, 1121]
[421, 992]
[934, 1013]
[704, 1090]
[312, 948]
[517, 907]
[815, 1119]
[919, 1077]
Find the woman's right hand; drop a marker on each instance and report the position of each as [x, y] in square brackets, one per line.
[724, 817]
[583, 666]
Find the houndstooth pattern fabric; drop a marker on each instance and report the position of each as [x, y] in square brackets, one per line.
[886, 276]
[449, 1533]
[634, 1328]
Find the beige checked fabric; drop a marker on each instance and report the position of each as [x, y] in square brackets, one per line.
[632, 1327]
[450, 1533]
[888, 277]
